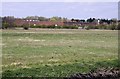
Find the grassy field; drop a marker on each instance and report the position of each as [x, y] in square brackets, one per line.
[57, 53]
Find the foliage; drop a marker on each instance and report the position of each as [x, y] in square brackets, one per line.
[42, 18]
[118, 26]
[109, 24]
[112, 26]
[70, 27]
[90, 20]
[107, 27]
[55, 27]
[25, 26]
[56, 18]
[8, 22]
[5, 25]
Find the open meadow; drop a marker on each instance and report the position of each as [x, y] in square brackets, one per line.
[57, 52]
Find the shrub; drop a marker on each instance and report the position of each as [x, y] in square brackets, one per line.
[74, 27]
[52, 26]
[26, 28]
[118, 26]
[70, 27]
[38, 26]
[5, 25]
[58, 27]
[87, 27]
[102, 26]
[112, 27]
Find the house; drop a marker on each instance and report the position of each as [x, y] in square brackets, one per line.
[21, 22]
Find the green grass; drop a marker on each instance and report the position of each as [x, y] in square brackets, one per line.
[54, 53]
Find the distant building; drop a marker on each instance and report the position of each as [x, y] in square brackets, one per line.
[20, 22]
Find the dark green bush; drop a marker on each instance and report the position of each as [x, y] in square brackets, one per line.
[118, 26]
[58, 27]
[109, 27]
[25, 28]
[51, 26]
[112, 27]
[70, 27]
[102, 26]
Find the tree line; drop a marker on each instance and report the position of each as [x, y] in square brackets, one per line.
[113, 24]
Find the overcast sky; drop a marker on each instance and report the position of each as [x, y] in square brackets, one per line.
[60, 0]
[81, 10]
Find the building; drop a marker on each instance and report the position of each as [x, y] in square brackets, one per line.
[21, 22]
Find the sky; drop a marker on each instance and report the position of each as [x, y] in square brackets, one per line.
[59, 0]
[78, 10]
